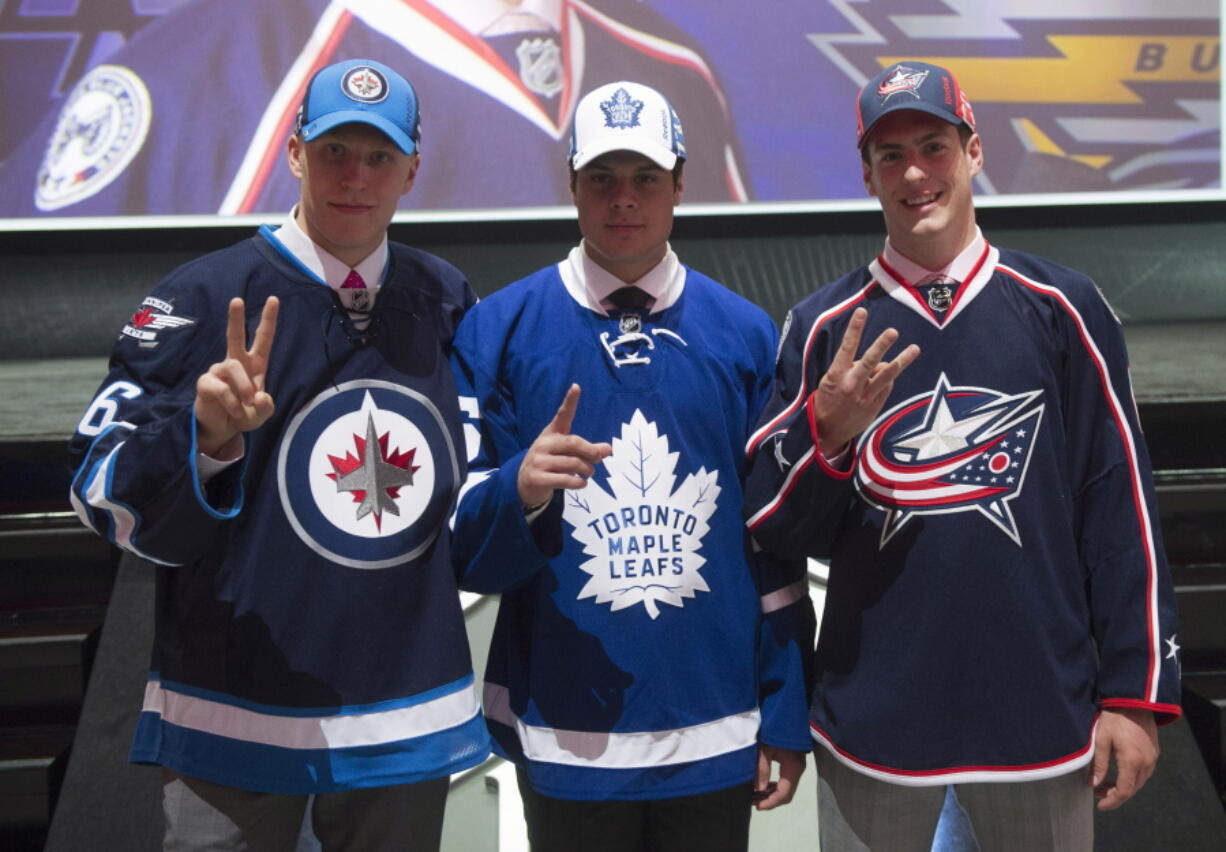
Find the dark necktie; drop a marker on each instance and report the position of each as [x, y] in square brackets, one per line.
[629, 298]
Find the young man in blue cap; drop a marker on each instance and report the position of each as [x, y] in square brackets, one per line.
[294, 494]
[999, 615]
[646, 673]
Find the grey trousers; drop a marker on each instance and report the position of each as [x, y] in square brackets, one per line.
[204, 816]
[858, 813]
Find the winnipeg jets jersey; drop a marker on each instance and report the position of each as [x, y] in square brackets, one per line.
[997, 573]
[115, 143]
[641, 650]
[309, 636]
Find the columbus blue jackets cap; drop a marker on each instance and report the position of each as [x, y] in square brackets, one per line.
[911, 85]
[365, 92]
[626, 117]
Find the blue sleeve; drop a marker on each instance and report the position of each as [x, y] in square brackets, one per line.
[495, 547]
[794, 499]
[133, 453]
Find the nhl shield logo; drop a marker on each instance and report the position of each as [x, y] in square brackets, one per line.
[950, 450]
[365, 84]
[366, 473]
[540, 66]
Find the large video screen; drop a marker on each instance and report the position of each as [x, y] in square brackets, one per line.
[130, 109]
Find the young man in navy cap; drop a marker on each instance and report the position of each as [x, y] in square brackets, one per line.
[999, 615]
[647, 667]
[279, 434]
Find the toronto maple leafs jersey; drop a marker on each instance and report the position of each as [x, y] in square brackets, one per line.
[309, 636]
[997, 573]
[641, 649]
[114, 145]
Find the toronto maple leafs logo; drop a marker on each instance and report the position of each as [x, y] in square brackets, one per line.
[621, 110]
[366, 473]
[955, 449]
[643, 539]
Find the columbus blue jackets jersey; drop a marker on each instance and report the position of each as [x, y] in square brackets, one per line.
[228, 75]
[641, 649]
[309, 636]
[997, 573]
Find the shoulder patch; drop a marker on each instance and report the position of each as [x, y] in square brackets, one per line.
[101, 128]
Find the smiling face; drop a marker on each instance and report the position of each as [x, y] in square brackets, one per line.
[352, 179]
[920, 172]
[625, 204]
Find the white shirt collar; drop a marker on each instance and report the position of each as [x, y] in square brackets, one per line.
[477, 16]
[588, 283]
[958, 269]
[326, 266]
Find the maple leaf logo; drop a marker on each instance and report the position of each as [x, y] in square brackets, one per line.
[142, 317]
[643, 539]
[373, 476]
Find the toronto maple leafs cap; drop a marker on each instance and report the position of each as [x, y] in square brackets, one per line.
[911, 85]
[626, 117]
[362, 91]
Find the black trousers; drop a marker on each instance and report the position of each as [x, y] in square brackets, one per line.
[707, 822]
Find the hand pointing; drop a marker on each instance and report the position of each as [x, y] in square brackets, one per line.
[558, 459]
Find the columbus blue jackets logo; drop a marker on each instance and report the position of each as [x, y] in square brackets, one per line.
[364, 84]
[954, 449]
[621, 110]
[101, 128]
[903, 80]
[366, 473]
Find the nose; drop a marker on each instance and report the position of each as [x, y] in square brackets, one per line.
[914, 171]
[353, 173]
[622, 196]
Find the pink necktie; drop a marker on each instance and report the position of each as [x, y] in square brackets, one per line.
[353, 281]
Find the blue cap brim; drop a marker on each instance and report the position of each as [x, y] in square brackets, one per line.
[327, 122]
[916, 106]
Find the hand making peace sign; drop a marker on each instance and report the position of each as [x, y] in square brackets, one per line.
[230, 397]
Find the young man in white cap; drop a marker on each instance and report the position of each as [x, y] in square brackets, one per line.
[294, 494]
[647, 668]
[999, 615]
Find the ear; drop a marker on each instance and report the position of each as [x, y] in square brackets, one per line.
[294, 154]
[679, 186]
[866, 173]
[974, 153]
[412, 175]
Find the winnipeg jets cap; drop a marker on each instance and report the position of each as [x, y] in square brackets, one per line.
[362, 91]
[911, 85]
[626, 117]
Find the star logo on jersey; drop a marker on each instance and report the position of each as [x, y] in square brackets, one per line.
[954, 449]
[373, 475]
[621, 110]
[364, 84]
[153, 316]
[641, 537]
[366, 473]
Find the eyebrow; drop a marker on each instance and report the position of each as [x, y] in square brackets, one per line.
[925, 138]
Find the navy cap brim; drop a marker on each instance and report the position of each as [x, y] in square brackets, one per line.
[322, 125]
[915, 106]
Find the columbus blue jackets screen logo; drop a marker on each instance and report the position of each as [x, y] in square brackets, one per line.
[621, 110]
[366, 473]
[954, 449]
[101, 128]
[364, 84]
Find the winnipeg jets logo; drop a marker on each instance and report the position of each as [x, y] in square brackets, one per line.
[621, 110]
[642, 540]
[366, 473]
[955, 449]
[364, 84]
[373, 476]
